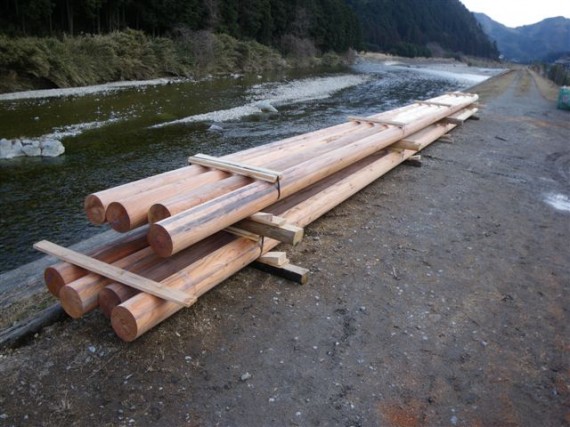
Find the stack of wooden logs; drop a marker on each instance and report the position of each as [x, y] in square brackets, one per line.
[189, 229]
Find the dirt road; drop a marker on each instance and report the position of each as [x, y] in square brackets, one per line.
[438, 296]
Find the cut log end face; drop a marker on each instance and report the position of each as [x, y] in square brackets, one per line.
[160, 241]
[118, 218]
[124, 324]
[71, 302]
[94, 209]
[53, 280]
[158, 212]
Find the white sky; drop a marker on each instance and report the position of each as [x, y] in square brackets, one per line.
[514, 13]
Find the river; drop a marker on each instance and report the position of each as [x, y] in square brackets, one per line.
[115, 134]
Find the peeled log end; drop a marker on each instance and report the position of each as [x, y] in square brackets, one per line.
[118, 217]
[54, 281]
[160, 240]
[112, 296]
[71, 302]
[158, 212]
[94, 209]
[124, 324]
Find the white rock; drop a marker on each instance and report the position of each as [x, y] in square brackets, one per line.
[10, 149]
[216, 128]
[266, 107]
[52, 148]
[32, 149]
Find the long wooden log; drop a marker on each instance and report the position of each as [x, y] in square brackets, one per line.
[168, 207]
[60, 274]
[132, 212]
[137, 315]
[113, 295]
[173, 234]
[96, 204]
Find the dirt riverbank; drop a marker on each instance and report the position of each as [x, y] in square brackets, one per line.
[438, 296]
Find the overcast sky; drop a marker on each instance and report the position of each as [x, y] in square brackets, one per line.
[514, 13]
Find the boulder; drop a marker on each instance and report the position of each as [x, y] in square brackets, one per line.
[266, 107]
[10, 149]
[31, 148]
[52, 148]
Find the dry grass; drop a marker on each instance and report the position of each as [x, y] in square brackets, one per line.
[547, 88]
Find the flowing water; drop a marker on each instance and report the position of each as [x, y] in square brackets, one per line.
[114, 135]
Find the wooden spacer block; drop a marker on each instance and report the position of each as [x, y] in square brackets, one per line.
[414, 161]
[453, 121]
[446, 138]
[235, 167]
[286, 233]
[267, 218]
[406, 144]
[276, 259]
[288, 271]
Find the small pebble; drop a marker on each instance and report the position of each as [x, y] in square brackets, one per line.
[245, 376]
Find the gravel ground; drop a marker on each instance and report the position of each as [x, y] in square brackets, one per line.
[438, 296]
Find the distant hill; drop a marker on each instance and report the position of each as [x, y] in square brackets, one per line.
[545, 40]
[421, 27]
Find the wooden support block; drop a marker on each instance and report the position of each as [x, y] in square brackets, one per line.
[446, 138]
[415, 161]
[235, 167]
[377, 121]
[474, 117]
[453, 121]
[406, 144]
[288, 271]
[276, 259]
[267, 218]
[117, 274]
[437, 104]
[286, 233]
[240, 232]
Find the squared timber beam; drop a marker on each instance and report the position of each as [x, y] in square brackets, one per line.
[286, 233]
[288, 271]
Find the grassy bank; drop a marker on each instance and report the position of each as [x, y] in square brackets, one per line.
[39, 63]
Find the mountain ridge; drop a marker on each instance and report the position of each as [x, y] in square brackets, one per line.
[549, 38]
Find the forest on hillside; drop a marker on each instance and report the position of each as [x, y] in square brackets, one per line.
[329, 24]
[421, 27]
[402, 27]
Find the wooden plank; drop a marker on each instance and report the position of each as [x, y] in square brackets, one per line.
[437, 104]
[235, 167]
[288, 271]
[276, 259]
[114, 273]
[377, 121]
[286, 233]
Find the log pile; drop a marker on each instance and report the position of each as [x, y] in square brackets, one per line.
[189, 229]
